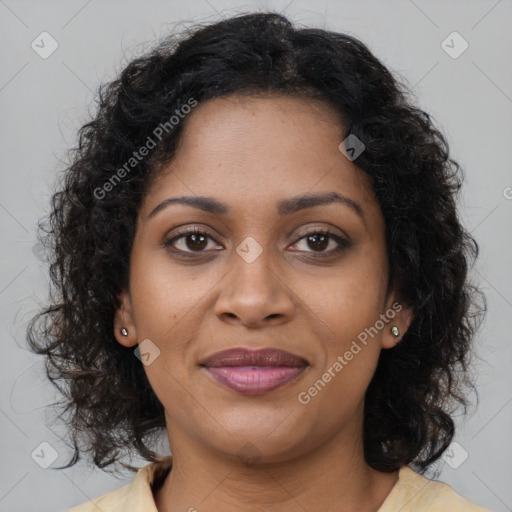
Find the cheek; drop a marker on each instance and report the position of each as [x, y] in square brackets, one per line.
[168, 305]
[348, 354]
[347, 300]
[164, 294]
[344, 307]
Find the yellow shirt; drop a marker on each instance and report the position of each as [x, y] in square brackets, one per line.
[411, 493]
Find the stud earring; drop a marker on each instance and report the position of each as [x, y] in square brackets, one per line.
[395, 331]
[124, 331]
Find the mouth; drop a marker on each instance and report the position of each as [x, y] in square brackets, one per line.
[254, 372]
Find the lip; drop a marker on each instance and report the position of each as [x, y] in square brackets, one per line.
[253, 380]
[245, 357]
[254, 371]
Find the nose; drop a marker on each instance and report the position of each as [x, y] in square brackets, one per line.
[254, 294]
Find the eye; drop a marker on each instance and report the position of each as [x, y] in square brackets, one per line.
[192, 240]
[320, 239]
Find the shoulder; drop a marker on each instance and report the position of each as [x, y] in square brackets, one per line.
[112, 501]
[415, 493]
[136, 496]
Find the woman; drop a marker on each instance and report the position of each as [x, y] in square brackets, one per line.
[258, 252]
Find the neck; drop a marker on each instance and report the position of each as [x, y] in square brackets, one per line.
[333, 476]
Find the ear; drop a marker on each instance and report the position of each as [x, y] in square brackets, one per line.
[123, 318]
[399, 315]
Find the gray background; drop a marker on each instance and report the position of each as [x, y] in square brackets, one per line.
[44, 101]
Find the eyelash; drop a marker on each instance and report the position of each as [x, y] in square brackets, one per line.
[342, 242]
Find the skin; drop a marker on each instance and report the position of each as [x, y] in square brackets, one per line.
[250, 153]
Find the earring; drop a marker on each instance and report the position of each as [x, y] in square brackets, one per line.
[395, 331]
[124, 331]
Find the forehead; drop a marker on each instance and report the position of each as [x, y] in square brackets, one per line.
[253, 151]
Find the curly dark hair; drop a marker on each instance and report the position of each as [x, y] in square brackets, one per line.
[109, 404]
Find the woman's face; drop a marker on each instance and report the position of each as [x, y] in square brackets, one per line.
[257, 277]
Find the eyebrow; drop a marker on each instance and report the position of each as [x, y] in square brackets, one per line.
[284, 207]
